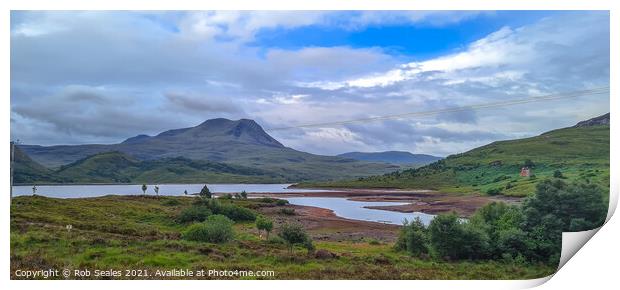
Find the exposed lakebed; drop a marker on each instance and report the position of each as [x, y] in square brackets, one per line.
[341, 206]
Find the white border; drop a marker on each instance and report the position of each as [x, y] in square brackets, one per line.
[594, 266]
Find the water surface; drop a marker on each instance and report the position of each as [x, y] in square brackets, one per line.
[78, 191]
[356, 209]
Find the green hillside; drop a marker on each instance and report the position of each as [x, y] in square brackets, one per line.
[117, 167]
[571, 153]
[26, 170]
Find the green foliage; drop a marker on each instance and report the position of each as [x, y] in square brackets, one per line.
[453, 239]
[413, 238]
[494, 191]
[196, 213]
[264, 224]
[217, 229]
[144, 188]
[294, 234]
[244, 195]
[205, 192]
[281, 202]
[227, 208]
[558, 174]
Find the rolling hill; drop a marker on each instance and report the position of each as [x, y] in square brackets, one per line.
[241, 144]
[578, 152]
[394, 157]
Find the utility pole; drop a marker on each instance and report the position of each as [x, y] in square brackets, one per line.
[13, 144]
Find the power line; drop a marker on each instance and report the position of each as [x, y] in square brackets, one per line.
[559, 96]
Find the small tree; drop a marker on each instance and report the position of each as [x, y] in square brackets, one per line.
[185, 192]
[413, 238]
[156, 189]
[293, 234]
[244, 194]
[205, 192]
[144, 188]
[237, 195]
[265, 224]
[34, 189]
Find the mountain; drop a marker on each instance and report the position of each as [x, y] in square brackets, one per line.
[117, 167]
[26, 170]
[575, 153]
[394, 157]
[236, 143]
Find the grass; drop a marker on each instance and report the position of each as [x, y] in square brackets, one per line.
[579, 153]
[133, 232]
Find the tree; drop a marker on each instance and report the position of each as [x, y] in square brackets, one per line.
[185, 192]
[244, 194]
[453, 239]
[264, 224]
[156, 189]
[413, 238]
[294, 234]
[144, 188]
[556, 207]
[205, 192]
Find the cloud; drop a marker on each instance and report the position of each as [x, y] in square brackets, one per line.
[74, 80]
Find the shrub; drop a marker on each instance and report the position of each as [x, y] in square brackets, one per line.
[195, 213]
[264, 224]
[217, 229]
[494, 191]
[287, 211]
[413, 238]
[171, 202]
[244, 195]
[232, 211]
[294, 234]
[281, 202]
[558, 174]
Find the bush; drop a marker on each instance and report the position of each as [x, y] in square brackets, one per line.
[294, 234]
[171, 202]
[413, 238]
[234, 212]
[558, 174]
[494, 191]
[195, 213]
[217, 229]
[287, 211]
[281, 202]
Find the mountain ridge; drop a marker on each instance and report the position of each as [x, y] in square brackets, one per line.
[241, 143]
[394, 157]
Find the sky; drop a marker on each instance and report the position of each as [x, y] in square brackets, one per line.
[81, 77]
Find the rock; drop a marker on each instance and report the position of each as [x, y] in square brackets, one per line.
[324, 254]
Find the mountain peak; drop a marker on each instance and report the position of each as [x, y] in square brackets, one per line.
[600, 120]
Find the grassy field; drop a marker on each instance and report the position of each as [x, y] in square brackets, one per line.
[134, 232]
[577, 153]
